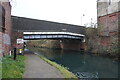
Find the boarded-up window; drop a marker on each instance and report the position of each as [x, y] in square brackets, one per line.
[2, 19]
[112, 23]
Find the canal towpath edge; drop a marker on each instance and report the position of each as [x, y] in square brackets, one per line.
[37, 68]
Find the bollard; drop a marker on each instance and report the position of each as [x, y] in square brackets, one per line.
[14, 53]
[20, 51]
[10, 53]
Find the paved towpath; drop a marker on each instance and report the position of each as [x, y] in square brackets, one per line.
[37, 68]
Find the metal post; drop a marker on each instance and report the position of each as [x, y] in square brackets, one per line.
[14, 53]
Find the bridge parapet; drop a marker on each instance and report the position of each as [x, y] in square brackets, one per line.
[52, 35]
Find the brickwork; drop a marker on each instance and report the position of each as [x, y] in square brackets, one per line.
[6, 27]
[71, 45]
[1, 48]
[108, 22]
[15, 36]
[106, 41]
[0, 30]
[7, 8]
[108, 25]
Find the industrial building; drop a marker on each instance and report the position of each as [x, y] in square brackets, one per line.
[5, 27]
[108, 15]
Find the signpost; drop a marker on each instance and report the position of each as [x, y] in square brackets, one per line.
[20, 45]
[20, 41]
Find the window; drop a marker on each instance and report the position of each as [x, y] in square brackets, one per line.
[3, 19]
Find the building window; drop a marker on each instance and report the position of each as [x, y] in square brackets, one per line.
[3, 19]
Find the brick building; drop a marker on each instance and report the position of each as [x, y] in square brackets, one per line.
[5, 27]
[108, 15]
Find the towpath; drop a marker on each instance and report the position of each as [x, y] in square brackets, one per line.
[37, 68]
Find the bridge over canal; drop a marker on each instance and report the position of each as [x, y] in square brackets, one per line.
[32, 29]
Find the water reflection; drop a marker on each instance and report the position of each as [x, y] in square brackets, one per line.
[84, 65]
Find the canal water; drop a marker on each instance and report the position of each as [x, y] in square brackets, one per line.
[84, 65]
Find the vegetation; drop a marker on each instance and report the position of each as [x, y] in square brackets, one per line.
[64, 71]
[0, 67]
[13, 68]
[92, 40]
[101, 44]
[44, 43]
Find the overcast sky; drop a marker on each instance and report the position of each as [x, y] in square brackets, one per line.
[63, 11]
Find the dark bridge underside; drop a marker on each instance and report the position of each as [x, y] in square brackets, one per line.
[21, 24]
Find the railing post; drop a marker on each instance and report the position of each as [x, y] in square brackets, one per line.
[14, 53]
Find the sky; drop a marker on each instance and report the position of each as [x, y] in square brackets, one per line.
[77, 12]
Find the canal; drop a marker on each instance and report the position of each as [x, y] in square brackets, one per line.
[84, 65]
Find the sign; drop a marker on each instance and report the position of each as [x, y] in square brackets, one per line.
[20, 41]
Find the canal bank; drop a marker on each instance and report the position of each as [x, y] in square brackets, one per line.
[91, 45]
[38, 67]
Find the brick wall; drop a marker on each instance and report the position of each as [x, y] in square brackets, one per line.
[1, 48]
[108, 29]
[0, 30]
[6, 35]
[7, 8]
[15, 36]
[108, 25]
[71, 45]
[105, 41]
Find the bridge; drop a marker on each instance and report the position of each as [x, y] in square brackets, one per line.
[33, 29]
[51, 35]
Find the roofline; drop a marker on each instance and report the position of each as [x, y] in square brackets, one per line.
[47, 21]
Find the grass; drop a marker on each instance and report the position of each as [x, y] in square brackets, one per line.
[0, 68]
[13, 68]
[64, 71]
